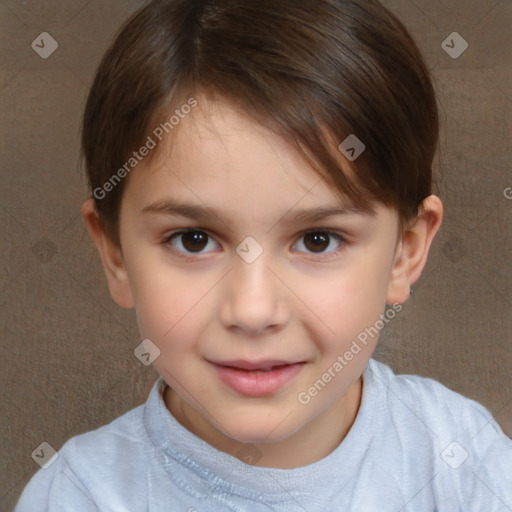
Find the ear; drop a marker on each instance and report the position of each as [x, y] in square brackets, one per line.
[413, 248]
[111, 257]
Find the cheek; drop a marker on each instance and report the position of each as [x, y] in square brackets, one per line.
[344, 305]
[168, 302]
[173, 317]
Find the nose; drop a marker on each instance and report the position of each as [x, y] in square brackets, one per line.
[254, 298]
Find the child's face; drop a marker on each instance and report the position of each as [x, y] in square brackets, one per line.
[304, 299]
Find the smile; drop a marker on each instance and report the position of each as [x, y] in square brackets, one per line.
[256, 378]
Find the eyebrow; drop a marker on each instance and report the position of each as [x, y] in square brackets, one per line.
[203, 213]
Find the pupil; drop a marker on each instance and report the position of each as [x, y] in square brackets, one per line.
[319, 241]
[194, 241]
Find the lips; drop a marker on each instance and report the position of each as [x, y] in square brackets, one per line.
[256, 378]
[263, 366]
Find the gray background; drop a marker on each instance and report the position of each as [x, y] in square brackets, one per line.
[68, 363]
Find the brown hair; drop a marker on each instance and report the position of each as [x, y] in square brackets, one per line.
[315, 71]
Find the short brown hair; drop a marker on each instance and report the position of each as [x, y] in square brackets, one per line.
[315, 71]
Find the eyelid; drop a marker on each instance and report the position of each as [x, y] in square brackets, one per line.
[188, 255]
[342, 238]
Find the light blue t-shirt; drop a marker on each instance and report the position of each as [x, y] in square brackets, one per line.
[415, 446]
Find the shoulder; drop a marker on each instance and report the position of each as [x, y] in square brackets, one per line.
[438, 407]
[109, 445]
[468, 455]
[89, 467]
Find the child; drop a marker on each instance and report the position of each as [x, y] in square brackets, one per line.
[261, 186]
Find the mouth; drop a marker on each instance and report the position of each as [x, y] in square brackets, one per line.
[257, 378]
[262, 366]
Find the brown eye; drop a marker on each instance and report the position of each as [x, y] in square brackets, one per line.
[190, 241]
[316, 242]
[319, 242]
[194, 240]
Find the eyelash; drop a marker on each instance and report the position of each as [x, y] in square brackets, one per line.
[193, 256]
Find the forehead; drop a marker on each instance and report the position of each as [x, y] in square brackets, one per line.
[218, 141]
[220, 159]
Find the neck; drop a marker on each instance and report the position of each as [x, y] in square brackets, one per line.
[317, 439]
